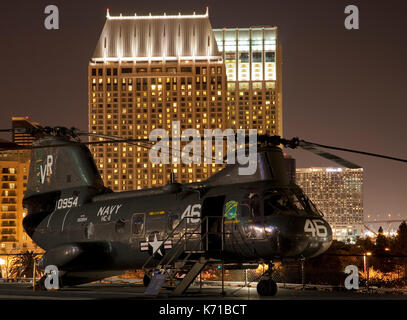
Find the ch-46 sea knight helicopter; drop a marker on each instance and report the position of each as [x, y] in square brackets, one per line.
[89, 232]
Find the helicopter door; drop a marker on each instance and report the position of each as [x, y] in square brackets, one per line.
[212, 208]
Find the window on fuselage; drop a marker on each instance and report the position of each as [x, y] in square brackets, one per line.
[137, 226]
[255, 205]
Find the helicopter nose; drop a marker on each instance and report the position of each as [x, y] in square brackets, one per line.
[306, 236]
[318, 234]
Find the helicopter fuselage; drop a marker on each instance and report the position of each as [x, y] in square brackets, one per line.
[121, 231]
[90, 232]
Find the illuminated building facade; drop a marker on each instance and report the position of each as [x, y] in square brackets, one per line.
[14, 166]
[146, 72]
[252, 58]
[338, 194]
[19, 134]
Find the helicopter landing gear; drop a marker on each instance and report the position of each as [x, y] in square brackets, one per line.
[40, 285]
[146, 279]
[267, 286]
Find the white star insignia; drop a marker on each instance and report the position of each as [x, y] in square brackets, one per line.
[156, 245]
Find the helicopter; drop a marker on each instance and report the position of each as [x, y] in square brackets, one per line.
[90, 232]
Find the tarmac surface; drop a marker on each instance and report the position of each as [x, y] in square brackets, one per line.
[118, 300]
[135, 291]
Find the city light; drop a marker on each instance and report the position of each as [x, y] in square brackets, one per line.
[154, 17]
[342, 205]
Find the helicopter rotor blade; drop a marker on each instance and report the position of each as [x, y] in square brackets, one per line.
[309, 146]
[111, 138]
[354, 151]
[345, 163]
[144, 143]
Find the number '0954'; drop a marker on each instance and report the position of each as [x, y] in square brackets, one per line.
[67, 203]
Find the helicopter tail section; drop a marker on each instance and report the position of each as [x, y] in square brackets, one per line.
[62, 175]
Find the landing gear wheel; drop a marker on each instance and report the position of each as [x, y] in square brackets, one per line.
[146, 280]
[267, 288]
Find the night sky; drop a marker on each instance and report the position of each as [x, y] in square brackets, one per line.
[340, 87]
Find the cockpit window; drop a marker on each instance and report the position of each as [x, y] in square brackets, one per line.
[298, 203]
[292, 199]
[306, 202]
[274, 201]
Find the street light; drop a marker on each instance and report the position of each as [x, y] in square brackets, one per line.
[366, 267]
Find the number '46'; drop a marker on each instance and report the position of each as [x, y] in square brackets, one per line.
[316, 227]
[193, 213]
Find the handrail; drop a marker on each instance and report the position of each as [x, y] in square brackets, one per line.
[186, 241]
[185, 237]
[170, 235]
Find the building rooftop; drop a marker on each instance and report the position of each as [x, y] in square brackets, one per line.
[327, 169]
[169, 37]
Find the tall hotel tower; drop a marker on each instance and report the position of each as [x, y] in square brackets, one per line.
[338, 193]
[253, 63]
[14, 166]
[146, 72]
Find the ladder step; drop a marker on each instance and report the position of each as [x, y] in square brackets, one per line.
[190, 276]
[155, 285]
[186, 254]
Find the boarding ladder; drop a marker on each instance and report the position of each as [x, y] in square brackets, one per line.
[194, 245]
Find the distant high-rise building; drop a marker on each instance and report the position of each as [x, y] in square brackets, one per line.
[338, 194]
[253, 60]
[14, 166]
[19, 133]
[146, 72]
